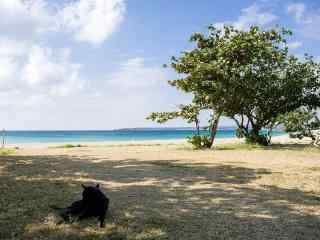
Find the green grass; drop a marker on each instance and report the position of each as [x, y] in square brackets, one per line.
[6, 152]
[69, 146]
[238, 146]
[246, 146]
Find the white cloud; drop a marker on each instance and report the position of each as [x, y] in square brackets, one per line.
[123, 99]
[24, 18]
[133, 74]
[44, 81]
[40, 71]
[92, 21]
[252, 15]
[12, 47]
[307, 20]
[297, 9]
[30, 67]
[8, 72]
[294, 45]
[54, 73]
[130, 93]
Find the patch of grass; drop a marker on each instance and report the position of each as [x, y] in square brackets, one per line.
[224, 146]
[247, 146]
[238, 146]
[315, 169]
[6, 152]
[139, 145]
[69, 146]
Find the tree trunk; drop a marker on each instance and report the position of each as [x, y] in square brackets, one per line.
[214, 127]
[255, 134]
[197, 127]
[269, 134]
[255, 137]
[243, 131]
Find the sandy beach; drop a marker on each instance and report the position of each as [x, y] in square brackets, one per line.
[278, 139]
[165, 190]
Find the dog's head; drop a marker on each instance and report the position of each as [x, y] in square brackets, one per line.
[90, 192]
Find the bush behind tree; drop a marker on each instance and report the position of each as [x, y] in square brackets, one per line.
[301, 123]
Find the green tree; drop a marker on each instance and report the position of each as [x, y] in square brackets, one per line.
[248, 76]
[301, 123]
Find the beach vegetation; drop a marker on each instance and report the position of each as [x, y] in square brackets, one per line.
[200, 142]
[190, 113]
[302, 123]
[6, 152]
[70, 146]
[248, 76]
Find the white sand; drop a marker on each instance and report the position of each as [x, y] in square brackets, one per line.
[278, 139]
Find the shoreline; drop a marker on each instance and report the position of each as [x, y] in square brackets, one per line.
[283, 139]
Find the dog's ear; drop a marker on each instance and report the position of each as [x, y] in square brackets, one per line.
[98, 185]
[84, 187]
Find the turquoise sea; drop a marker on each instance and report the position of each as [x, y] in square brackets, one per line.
[13, 137]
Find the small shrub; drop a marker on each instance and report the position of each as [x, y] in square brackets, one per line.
[200, 142]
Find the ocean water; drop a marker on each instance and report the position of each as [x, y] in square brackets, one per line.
[13, 137]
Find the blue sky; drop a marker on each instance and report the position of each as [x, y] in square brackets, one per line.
[96, 64]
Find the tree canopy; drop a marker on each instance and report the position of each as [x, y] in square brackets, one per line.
[248, 76]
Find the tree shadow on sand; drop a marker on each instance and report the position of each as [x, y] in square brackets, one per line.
[274, 146]
[151, 200]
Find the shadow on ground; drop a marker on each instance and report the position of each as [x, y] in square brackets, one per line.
[275, 146]
[151, 200]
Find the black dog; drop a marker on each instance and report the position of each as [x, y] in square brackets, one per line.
[71, 213]
[93, 204]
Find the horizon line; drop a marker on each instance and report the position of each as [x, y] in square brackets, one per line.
[115, 129]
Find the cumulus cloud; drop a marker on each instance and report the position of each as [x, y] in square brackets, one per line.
[30, 66]
[54, 73]
[297, 10]
[8, 73]
[12, 47]
[134, 74]
[92, 21]
[307, 19]
[252, 15]
[40, 71]
[25, 18]
[294, 45]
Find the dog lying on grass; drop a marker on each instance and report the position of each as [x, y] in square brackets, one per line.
[93, 204]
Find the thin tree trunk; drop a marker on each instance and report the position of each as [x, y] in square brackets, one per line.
[214, 127]
[244, 129]
[255, 136]
[197, 127]
[269, 134]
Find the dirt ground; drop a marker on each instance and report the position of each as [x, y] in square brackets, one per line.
[165, 192]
